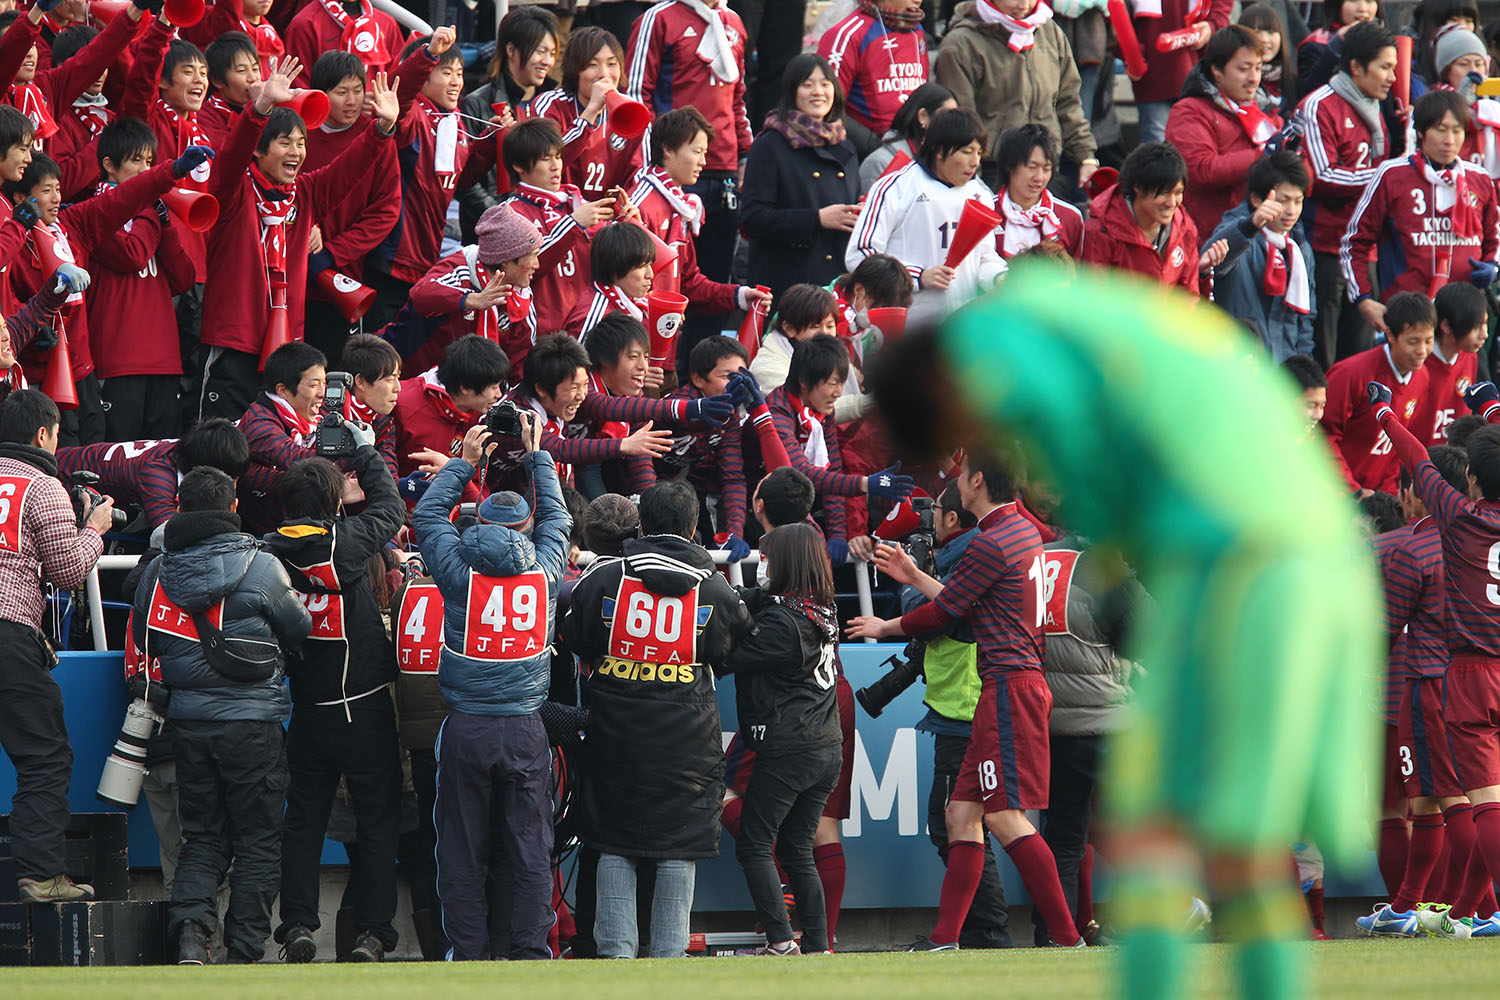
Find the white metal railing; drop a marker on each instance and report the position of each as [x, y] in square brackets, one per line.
[407, 19]
[95, 598]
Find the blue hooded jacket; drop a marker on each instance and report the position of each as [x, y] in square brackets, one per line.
[1237, 286]
[492, 687]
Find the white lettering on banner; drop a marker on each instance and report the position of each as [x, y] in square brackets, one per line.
[896, 788]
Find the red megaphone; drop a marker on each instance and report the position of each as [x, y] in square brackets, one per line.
[279, 325]
[1103, 179]
[352, 298]
[1127, 40]
[627, 118]
[897, 162]
[902, 520]
[102, 12]
[891, 320]
[51, 255]
[664, 312]
[58, 383]
[665, 269]
[753, 326]
[183, 13]
[977, 221]
[198, 210]
[312, 105]
[1402, 88]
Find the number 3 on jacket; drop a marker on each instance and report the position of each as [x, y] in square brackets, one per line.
[507, 617]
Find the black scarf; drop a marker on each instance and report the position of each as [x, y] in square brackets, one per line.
[189, 527]
[36, 457]
[824, 618]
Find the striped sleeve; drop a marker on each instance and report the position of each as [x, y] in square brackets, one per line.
[581, 451]
[1362, 232]
[645, 56]
[158, 485]
[826, 481]
[872, 232]
[1332, 179]
[1403, 584]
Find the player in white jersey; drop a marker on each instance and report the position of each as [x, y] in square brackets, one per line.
[913, 213]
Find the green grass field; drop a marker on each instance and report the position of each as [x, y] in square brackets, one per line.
[1352, 969]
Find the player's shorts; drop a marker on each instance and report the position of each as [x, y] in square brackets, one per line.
[1472, 712]
[1008, 764]
[837, 806]
[1253, 725]
[1426, 761]
[1392, 771]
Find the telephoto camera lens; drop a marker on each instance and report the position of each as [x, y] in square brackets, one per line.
[125, 767]
[903, 674]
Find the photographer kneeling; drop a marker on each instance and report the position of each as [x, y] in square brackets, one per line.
[343, 719]
[219, 611]
[40, 537]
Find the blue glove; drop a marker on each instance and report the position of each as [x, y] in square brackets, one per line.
[191, 159]
[738, 548]
[747, 388]
[710, 409]
[71, 278]
[1379, 396]
[26, 213]
[1482, 273]
[838, 551]
[888, 484]
[413, 486]
[1288, 138]
[1482, 397]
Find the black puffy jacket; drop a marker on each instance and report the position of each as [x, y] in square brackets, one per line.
[654, 626]
[784, 672]
[208, 560]
[348, 655]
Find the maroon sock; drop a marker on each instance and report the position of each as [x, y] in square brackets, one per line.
[1439, 877]
[731, 816]
[1394, 845]
[1315, 906]
[1426, 845]
[1458, 828]
[1085, 905]
[960, 882]
[1487, 843]
[1033, 859]
[1472, 888]
[830, 861]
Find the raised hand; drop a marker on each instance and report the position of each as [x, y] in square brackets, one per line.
[277, 87]
[383, 103]
[442, 40]
[493, 294]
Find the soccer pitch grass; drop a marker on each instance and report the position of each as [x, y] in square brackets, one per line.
[1353, 969]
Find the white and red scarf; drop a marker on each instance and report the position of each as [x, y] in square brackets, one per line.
[447, 137]
[299, 427]
[689, 206]
[360, 35]
[189, 133]
[1026, 227]
[554, 204]
[32, 103]
[268, 43]
[814, 445]
[1286, 272]
[620, 302]
[1258, 125]
[1486, 117]
[93, 111]
[714, 47]
[1022, 29]
[223, 107]
[275, 207]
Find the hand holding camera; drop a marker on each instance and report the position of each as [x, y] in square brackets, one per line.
[476, 444]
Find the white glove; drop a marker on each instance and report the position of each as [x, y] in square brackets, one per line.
[71, 278]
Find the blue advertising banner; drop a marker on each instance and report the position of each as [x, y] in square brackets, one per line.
[891, 862]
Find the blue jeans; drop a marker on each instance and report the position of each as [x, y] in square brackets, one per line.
[1153, 115]
[615, 929]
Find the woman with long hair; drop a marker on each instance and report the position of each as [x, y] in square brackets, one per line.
[785, 673]
[906, 131]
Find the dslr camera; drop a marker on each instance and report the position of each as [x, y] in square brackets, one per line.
[86, 499]
[332, 439]
[902, 675]
[503, 419]
[922, 541]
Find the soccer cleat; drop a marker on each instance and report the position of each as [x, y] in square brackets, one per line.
[1386, 922]
[1481, 927]
[927, 944]
[1199, 916]
[1435, 922]
[57, 889]
[780, 948]
[1318, 935]
[299, 946]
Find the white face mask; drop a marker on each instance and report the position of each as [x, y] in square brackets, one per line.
[762, 574]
